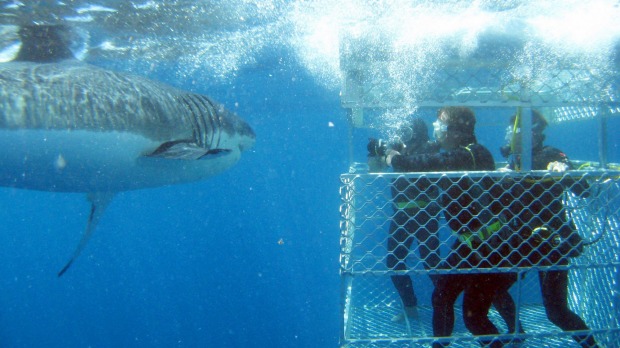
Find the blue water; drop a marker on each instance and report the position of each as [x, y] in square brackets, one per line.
[246, 259]
[195, 265]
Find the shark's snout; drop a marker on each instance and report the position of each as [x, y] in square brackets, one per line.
[247, 135]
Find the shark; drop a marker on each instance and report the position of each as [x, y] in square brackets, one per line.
[69, 126]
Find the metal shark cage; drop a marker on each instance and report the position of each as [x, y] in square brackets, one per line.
[565, 91]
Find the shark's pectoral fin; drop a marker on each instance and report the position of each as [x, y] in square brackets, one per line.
[185, 150]
[99, 201]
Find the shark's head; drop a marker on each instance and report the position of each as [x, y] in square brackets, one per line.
[240, 130]
[248, 138]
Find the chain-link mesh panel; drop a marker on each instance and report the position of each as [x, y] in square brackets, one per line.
[375, 75]
[431, 224]
[374, 88]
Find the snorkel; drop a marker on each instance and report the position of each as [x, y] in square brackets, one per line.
[514, 158]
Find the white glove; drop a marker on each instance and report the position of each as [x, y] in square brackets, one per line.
[389, 154]
[557, 167]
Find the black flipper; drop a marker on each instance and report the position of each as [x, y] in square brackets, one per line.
[99, 201]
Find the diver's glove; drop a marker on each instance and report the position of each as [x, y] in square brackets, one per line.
[557, 167]
[389, 155]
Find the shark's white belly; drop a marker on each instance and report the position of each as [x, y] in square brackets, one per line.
[85, 161]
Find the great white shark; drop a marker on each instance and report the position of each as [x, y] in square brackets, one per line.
[68, 126]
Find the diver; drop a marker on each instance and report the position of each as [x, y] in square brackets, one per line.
[467, 214]
[549, 237]
[415, 211]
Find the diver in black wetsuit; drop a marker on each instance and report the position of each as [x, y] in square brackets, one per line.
[415, 214]
[550, 237]
[467, 213]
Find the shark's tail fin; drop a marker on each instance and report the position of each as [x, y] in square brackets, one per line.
[44, 43]
[99, 201]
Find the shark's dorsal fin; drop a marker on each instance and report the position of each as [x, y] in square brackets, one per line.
[44, 43]
[99, 202]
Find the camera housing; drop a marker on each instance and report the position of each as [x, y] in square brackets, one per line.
[379, 147]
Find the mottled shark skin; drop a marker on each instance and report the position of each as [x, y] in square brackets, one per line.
[68, 126]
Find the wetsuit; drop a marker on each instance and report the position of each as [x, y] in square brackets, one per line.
[416, 216]
[539, 204]
[462, 208]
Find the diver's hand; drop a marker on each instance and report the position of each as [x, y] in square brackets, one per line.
[557, 167]
[389, 155]
[505, 170]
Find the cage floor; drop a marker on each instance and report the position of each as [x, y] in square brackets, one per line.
[373, 327]
[369, 324]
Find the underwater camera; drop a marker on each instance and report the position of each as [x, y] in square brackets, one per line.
[379, 147]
